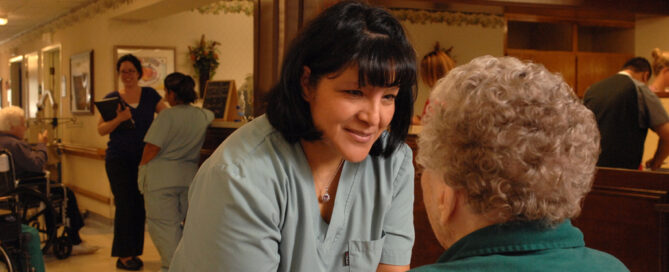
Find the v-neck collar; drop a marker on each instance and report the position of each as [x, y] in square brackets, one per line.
[326, 233]
[139, 102]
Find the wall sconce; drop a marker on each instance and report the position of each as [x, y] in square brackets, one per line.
[3, 19]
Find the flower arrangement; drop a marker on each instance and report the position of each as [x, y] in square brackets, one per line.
[204, 57]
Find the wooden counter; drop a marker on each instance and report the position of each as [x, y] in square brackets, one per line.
[627, 215]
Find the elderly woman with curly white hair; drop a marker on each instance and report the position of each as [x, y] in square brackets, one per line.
[508, 153]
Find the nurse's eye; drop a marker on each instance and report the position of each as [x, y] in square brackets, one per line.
[354, 92]
[389, 97]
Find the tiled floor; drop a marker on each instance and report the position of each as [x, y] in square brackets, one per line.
[101, 234]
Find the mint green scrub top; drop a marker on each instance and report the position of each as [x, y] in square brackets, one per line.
[179, 132]
[253, 207]
[524, 246]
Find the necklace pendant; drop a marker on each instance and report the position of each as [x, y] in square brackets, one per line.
[325, 197]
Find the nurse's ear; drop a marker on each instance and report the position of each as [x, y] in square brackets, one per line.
[304, 82]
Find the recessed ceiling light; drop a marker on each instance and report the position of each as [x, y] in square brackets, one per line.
[3, 19]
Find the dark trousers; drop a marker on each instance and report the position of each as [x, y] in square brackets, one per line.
[74, 215]
[71, 212]
[130, 215]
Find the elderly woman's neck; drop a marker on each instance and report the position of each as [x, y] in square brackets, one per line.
[465, 221]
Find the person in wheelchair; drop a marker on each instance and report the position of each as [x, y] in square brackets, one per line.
[29, 161]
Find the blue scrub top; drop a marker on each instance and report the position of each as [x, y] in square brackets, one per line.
[179, 132]
[127, 144]
[253, 207]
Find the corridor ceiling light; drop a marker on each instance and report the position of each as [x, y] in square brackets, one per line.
[3, 19]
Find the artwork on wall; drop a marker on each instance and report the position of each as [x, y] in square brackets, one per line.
[81, 82]
[157, 63]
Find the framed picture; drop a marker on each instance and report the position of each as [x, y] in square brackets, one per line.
[81, 82]
[157, 63]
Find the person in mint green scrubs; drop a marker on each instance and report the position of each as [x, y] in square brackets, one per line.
[323, 181]
[170, 161]
[509, 153]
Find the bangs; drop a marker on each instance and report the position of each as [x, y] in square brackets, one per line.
[385, 64]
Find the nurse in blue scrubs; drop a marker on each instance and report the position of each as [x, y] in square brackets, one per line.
[170, 161]
[323, 181]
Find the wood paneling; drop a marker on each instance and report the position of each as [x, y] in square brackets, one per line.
[625, 215]
[593, 67]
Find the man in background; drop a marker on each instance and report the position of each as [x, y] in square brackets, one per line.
[625, 109]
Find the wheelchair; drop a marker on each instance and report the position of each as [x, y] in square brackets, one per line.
[14, 255]
[37, 207]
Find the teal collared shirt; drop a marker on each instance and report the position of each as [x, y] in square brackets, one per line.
[252, 207]
[524, 246]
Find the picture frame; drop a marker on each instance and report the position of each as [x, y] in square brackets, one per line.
[157, 63]
[81, 83]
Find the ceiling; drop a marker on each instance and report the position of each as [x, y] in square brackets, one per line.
[25, 15]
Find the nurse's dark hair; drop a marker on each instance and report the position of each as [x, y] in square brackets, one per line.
[182, 85]
[132, 59]
[346, 34]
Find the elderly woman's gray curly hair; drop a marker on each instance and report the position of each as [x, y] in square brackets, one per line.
[514, 137]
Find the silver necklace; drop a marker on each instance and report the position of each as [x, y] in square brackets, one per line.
[326, 196]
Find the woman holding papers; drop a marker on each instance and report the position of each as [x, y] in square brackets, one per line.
[124, 152]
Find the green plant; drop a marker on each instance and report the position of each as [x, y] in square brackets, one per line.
[204, 56]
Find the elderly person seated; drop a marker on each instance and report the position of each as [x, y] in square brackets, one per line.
[29, 161]
[509, 153]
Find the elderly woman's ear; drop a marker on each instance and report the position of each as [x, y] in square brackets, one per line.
[438, 196]
[440, 199]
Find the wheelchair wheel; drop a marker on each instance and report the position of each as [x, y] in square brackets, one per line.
[13, 260]
[6, 264]
[36, 211]
[62, 248]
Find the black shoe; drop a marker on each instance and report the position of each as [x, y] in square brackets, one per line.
[131, 264]
[137, 259]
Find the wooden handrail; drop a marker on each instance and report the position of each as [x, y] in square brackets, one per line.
[83, 151]
[90, 194]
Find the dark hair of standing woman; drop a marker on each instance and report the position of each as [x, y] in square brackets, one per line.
[348, 33]
[182, 85]
[132, 59]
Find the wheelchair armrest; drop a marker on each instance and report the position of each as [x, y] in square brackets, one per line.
[31, 180]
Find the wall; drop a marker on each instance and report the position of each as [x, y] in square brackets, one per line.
[101, 33]
[468, 43]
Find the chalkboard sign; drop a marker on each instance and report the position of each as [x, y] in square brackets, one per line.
[221, 98]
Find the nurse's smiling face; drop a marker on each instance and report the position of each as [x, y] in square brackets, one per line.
[128, 73]
[350, 117]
